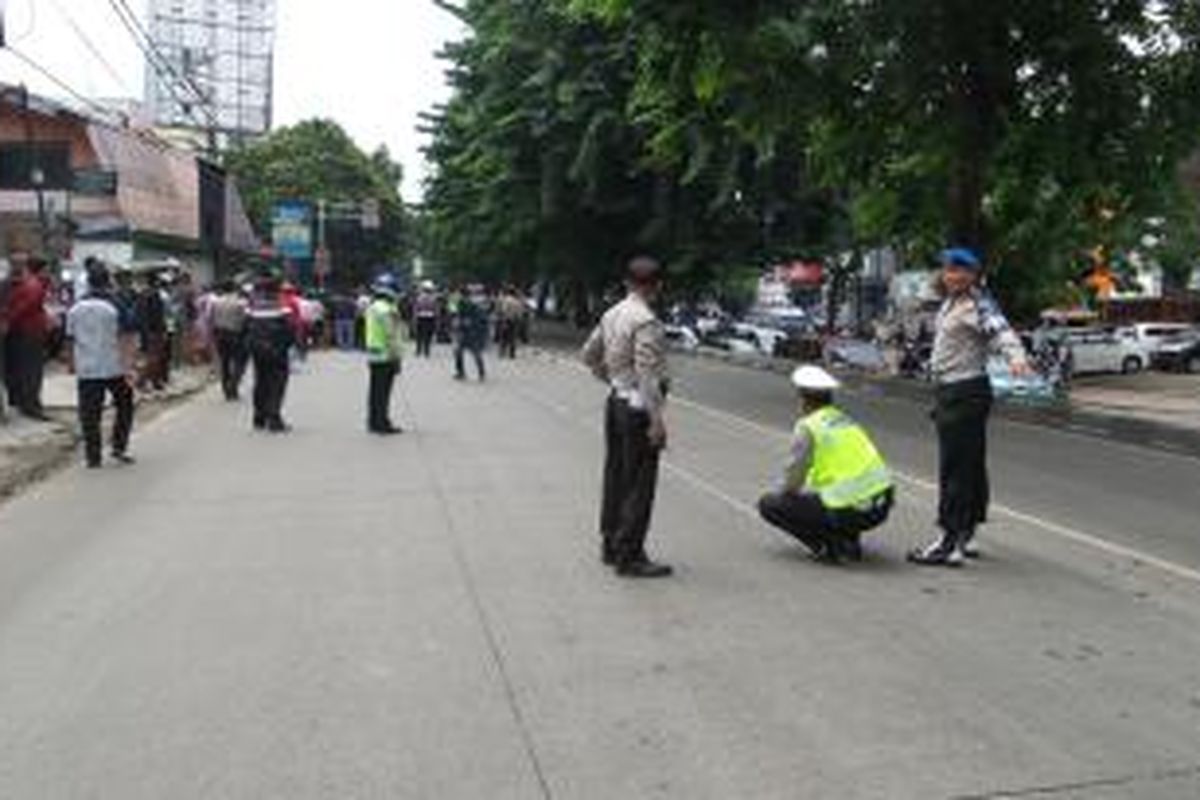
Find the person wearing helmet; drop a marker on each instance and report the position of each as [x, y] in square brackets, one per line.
[384, 343]
[969, 325]
[425, 317]
[836, 485]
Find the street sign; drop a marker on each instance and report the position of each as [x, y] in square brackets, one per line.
[291, 230]
[94, 182]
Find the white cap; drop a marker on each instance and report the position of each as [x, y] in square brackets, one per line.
[814, 378]
[428, 285]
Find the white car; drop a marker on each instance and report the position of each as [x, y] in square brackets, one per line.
[766, 340]
[1152, 335]
[681, 337]
[1104, 350]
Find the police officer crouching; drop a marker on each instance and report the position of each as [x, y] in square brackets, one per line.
[836, 485]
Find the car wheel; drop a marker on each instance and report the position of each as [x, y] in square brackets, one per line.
[1192, 365]
[1131, 365]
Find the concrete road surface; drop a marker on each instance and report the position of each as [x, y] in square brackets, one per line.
[328, 615]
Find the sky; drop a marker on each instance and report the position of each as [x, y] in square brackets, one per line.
[368, 64]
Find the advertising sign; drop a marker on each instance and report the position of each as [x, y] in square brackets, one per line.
[291, 230]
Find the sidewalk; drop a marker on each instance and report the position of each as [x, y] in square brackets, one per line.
[30, 450]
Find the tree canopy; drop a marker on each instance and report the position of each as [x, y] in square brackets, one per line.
[720, 133]
[316, 160]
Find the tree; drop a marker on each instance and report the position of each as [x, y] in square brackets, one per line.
[317, 160]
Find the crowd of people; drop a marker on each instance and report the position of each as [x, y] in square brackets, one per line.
[126, 332]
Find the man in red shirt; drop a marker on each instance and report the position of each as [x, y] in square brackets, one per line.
[25, 341]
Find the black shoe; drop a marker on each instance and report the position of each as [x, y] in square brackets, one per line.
[93, 465]
[259, 424]
[123, 457]
[386, 430]
[644, 569]
[279, 426]
[849, 549]
[825, 554]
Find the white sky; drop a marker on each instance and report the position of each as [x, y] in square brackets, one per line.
[368, 64]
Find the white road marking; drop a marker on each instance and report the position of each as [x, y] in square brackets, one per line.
[1062, 531]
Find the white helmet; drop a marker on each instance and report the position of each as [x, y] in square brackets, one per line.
[809, 377]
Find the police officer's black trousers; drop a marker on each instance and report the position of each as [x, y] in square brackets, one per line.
[270, 387]
[379, 394]
[231, 352]
[803, 515]
[91, 407]
[630, 482]
[961, 417]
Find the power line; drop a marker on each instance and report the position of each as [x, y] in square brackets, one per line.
[90, 45]
[57, 81]
[159, 64]
[185, 79]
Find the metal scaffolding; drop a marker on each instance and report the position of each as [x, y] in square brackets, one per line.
[220, 56]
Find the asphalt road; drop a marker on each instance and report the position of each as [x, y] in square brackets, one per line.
[328, 615]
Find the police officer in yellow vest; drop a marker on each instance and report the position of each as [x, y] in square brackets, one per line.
[384, 340]
[836, 485]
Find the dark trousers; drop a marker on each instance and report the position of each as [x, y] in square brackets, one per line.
[24, 363]
[630, 481]
[426, 327]
[460, 369]
[157, 370]
[379, 395]
[506, 335]
[270, 387]
[804, 516]
[343, 332]
[231, 352]
[91, 407]
[961, 417]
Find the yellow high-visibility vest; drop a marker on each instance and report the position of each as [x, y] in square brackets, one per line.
[847, 470]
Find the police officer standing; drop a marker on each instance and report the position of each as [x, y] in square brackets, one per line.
[836, 485]
[627, 350]
[269, 337]
[384, 341]
[969, 324]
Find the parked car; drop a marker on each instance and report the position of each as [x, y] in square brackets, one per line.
[1103, 350]
[1152, 335]
[768, 341]
[855, 353]
[681, 337]
[1180, 353]
[1034, 389]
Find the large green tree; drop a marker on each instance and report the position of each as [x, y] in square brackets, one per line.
[317, 160]
[722, 133]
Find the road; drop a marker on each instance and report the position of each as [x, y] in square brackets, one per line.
[327, 615]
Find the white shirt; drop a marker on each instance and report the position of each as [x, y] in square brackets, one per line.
[93, 324]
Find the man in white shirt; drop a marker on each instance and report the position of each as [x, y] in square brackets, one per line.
[101, 368]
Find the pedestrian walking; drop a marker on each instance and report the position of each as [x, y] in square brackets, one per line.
[102, 367]
[25, 340]
[270, 335]
[627, 351]
[969, 324]
[344, 311]
[836, 485]
[155, 341]
[471, 332]
[509, 313]
[425, 317]
[227, 320]
[384, 346]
